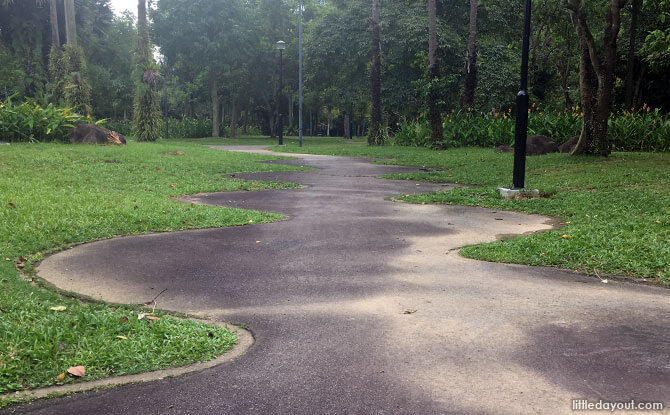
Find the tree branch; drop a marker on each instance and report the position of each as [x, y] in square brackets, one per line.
[579, 21]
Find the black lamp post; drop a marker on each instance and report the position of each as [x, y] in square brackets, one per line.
[300, 72]
[281, 45]
[521, 129]
[165, 100]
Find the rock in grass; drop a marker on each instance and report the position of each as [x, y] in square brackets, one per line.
[92, 134]
[539, 144]
[535, 145]
[569, 145]
[503, 149]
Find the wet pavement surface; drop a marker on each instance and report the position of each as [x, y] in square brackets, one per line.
[359, 305]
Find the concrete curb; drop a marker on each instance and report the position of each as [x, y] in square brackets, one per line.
[244, 342]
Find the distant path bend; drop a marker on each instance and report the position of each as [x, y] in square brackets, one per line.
[359, 305]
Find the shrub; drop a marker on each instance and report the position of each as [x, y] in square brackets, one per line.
[644, 130]
[30, 122]
[413, 134]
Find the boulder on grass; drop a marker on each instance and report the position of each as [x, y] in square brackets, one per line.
[503, 149]
[569, 145]
[539, 144]
[92, 134]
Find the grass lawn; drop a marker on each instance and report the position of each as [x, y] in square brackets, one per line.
[616, 210]
[56, 195]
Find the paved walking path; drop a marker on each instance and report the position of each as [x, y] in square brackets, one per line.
[325, 294]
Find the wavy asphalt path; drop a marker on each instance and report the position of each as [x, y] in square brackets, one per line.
[325, 292]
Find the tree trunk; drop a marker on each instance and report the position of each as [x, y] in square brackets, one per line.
[434, 113]
[376, 137]
[471, 61]
[143, 31]
[328, 128]
[635, 11]
[55, 36]
[347, 126]
[70, 23]
[233, 120]
[221, 120]
[596, 77]
[214, 93]
[637, 95]
[245, 122]
[562, 67]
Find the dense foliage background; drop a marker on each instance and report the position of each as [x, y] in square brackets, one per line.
[220, 54]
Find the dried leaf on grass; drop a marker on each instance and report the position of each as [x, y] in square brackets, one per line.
[77, 371]
[123, 320]
[60, 376]
[58, 308]
[122, 337]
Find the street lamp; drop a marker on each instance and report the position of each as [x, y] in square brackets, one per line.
[521, 129]
[165, 98]
[281, 45]
[300, 72]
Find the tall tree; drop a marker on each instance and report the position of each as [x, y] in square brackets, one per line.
[434, 113]
[376, 135]
[596, 75]
[146, 111]
[70, 23]
[630, 66]
[53, 18]
[471, 60]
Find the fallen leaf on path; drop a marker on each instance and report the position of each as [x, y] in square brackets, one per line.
[61, 376]
[58, 308]
[77, 371]
[410, 311]
[498, 218]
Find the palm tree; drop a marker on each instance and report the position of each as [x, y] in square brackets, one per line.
[375, 135]
[471, 63]
[434, 115]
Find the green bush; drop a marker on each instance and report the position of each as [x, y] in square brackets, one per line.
[124, 127]
[644, 130]
[29, 122]
[177, 128]
[413, 134]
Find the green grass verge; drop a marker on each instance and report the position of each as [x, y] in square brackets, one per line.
[616, 209]
[54, 195]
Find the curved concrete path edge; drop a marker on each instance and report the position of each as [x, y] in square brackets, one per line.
[244, 342]
[359, 305]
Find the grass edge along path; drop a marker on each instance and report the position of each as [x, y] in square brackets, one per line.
[616, 210]
[56, 195]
